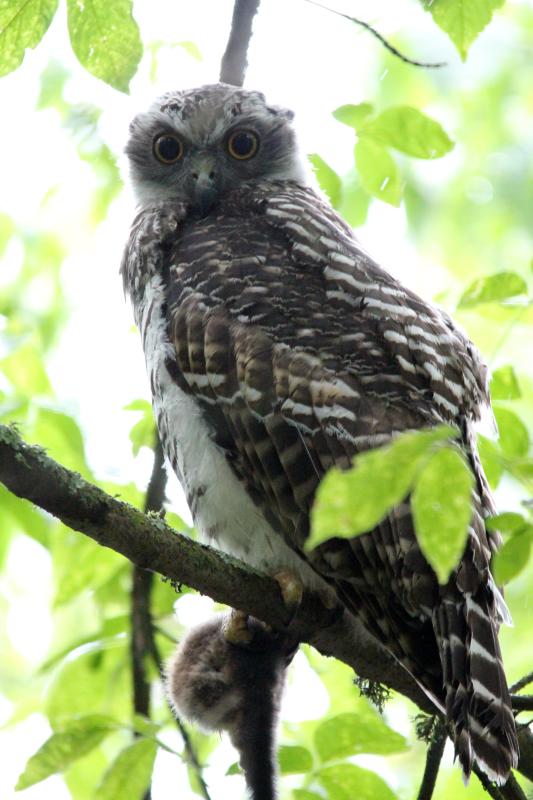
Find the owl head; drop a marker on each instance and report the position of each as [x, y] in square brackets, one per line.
[198, 144]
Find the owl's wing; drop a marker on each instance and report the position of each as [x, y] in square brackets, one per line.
[302, 352]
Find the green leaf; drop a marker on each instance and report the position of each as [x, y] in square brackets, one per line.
[355, 201]
[346, 782]
[61, 436]
[353, 115]
[92, 681]
[294, 759]
[191, 48]
[351, 734]
[493, 289]
[52, 86]
[522, 470]
[7, 229]
[23, 24]
[513, 556]
[509, 522]
[514, 436]
[462, 20]
[107, 173]
[351, 502]
[105, 39]
[378, 171]
[84, 775]
[129, 775]
[77, 738]
[110, 628]
[25, 370]
[329, 181]
[234, 769]
[504, 384]
[303, 794]
[442, 509]
[94, 565]
[491, 459]
[409, 130]
[24, 516]
[143, 432]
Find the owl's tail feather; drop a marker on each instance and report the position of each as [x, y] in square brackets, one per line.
[477, 698]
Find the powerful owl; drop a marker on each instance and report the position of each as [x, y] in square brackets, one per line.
[277, 348]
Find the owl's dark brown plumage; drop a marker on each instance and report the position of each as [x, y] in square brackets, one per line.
[277, 349]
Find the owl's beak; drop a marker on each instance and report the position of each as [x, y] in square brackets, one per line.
[204, 187]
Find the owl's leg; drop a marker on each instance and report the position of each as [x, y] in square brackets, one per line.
[291, 591]
[236, 629]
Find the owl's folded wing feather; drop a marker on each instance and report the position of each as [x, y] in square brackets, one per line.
[290, 397]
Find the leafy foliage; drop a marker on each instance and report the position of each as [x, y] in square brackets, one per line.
[328, 179]
[442, 509]
[403, 128]
[23, 24]
[106, 40]
[350, 734]
[493, 288]
[466, 208]
[130, 773]
[462, 20]
[77, 739]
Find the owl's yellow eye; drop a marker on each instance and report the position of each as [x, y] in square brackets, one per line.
[243, 145]
[168, 149]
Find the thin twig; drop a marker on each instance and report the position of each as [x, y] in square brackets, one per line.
[143, 641]
[191, 755]
[141, 590]
[234, 60]
[386, 44]
[522, 702]
[433, 759]
[491, 788]
[141, 620]
[527, 679]
[165, 634]
[512, 789]
[141, 587]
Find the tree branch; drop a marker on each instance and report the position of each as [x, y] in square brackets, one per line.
[386, 44]
[234, 61]
[141, 618]
[522, 702]
[433, 759]
[522, 683]
[141, 591]
[143, 639]
[150, 543]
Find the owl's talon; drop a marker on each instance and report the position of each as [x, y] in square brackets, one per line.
[236, 630]
[291, 591]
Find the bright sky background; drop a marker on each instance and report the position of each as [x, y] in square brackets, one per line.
[301, 56]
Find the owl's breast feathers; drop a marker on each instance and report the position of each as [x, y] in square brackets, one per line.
[301, 352]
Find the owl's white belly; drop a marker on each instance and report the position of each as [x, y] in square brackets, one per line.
[223, 512]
